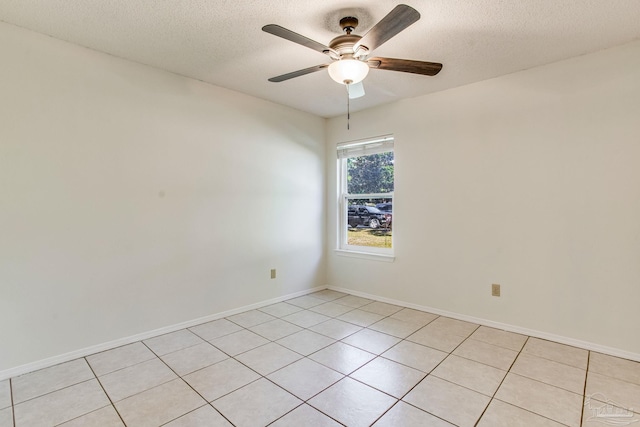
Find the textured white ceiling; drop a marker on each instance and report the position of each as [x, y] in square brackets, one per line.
[221, 42]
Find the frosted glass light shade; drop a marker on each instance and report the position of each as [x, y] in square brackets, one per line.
[348, 71]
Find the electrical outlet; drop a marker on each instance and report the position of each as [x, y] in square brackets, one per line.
[495, 290]
[273, 273]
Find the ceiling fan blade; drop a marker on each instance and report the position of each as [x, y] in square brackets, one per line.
[356, 90]
[279, 31]
[397, 20]
[405, 66]
[298, 73]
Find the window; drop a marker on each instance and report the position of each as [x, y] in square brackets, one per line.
[366, 185]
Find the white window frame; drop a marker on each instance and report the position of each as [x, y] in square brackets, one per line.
[346, 150]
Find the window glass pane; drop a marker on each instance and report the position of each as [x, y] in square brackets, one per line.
[369, 221]
[370, 174]
[366, 173]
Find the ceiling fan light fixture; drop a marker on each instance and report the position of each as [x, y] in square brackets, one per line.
[348, 71]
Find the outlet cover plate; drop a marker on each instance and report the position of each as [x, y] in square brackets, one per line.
[495, 290]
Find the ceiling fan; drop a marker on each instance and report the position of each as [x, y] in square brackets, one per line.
[350, 52]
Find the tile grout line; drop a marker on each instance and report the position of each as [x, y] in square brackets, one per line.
[13, 407]
[416, 385]
[531, 412]
[191, 412]
[52, 391]
[426, 374]
[303, 328]
[104, 391]
[187, 383]
[304, 401]
[136, 364]
[496, 345]
[180, 349]
[436, 367]
[105, 351]
[450, 353]
[229, 356]
[124, 367]
[397, 400]
[512, 363]
[502, 381]
[548, 383]
[584, 390]
[268, 379]
[376, 355]
[477, 361]
[616, 379]
[439, 363]
[213, 339]
[264, 376]
[557, 361]
[533, 379]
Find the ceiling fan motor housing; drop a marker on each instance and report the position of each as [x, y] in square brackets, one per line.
[344, 44]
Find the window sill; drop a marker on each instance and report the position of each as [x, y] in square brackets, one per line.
[365, 255]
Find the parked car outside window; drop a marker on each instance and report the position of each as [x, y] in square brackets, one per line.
[367, 216]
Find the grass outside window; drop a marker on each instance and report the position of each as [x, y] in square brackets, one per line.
[378, 238]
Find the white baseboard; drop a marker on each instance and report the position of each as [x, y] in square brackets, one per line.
[55, 360]
[611, 351]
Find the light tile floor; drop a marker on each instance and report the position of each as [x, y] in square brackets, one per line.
[330, 359]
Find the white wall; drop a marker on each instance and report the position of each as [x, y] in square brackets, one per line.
[132, 199]
[530, 180]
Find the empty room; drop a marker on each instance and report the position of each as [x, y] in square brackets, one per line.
[333, 213]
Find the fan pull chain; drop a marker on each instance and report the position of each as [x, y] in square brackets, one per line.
[348, 107]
